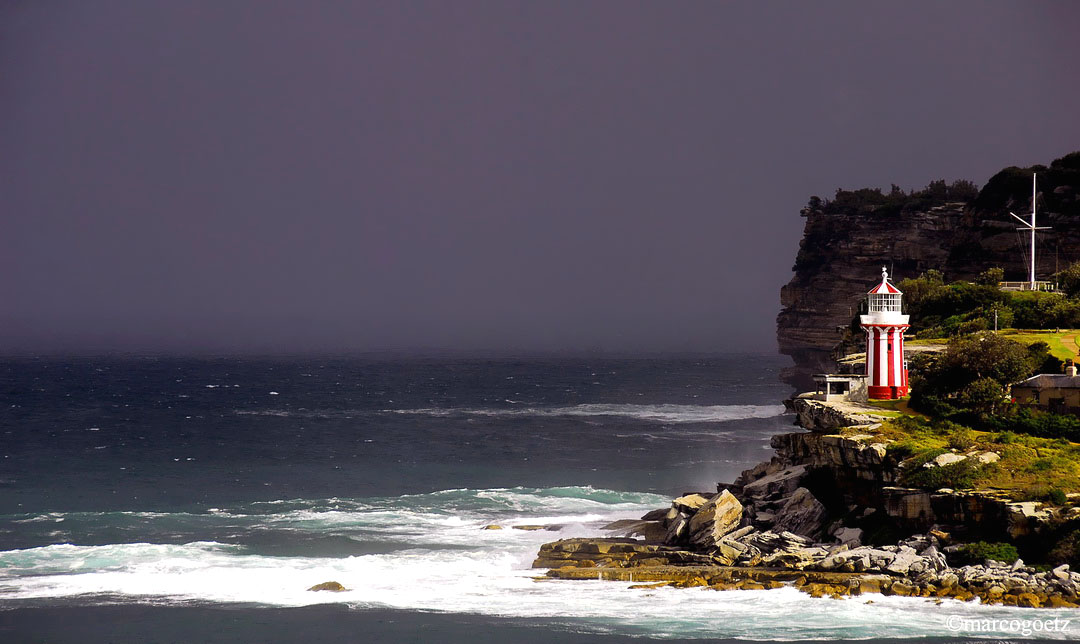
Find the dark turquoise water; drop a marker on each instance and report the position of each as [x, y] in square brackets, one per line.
[167, 434]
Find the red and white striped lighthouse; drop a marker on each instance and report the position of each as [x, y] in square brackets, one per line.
[884, 325]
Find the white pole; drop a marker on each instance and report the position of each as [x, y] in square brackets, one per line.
[1033, 231]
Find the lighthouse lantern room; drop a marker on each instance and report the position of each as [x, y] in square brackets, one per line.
[884, 324]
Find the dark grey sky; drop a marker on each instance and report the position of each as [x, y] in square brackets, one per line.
[253, 175]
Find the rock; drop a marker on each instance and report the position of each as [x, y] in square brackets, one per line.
[911, 506]
[1027, 518]
[754, 473]
[530, 528]
[492, 527]
[796, 560]
[987, 457]
[819, 416]
[655, 515]
[651, 531]
[948, 458]
[740, 533]
[715, 519]
[848, 461]
[678, 529]
[782, 483]
[728, 552]
[1061, 572]
[849, 536]
[331, 586]
[903, 562]
[802, 514]
[690, 503]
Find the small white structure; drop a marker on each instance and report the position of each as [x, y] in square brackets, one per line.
[840, 387]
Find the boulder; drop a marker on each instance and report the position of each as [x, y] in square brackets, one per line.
[690, 503]
[778, 484]
[802, 514]
[715, 519]
[678, 529]
[652, 531]
[1061, 572]
[849, 536]
[948, 458]
[770, 541]
[331, 586]
[655, 515]
[903, 562]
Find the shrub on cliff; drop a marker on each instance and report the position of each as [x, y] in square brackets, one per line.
[961, 475]
[980, 551]
[866, 200]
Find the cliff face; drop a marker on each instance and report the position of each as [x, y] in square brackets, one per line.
[843, 249]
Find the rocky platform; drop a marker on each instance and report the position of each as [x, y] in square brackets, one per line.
[818, 569]
[827, 515]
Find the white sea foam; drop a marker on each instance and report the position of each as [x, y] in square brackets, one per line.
[450, 564]
[657, 413]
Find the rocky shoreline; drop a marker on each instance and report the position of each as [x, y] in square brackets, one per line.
[825, 515]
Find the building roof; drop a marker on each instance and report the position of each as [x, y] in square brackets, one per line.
[1051, 381]
[885, 286]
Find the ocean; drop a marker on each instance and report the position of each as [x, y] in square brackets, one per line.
[172, 499]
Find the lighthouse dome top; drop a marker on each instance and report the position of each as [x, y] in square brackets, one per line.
[885, 286]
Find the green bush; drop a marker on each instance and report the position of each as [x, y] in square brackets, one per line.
[1035, 422]
[1066, 548]
[962, 438]
[960, 475]
[980, 551]
[990, 277]
[1043, 493]
[1005, 438]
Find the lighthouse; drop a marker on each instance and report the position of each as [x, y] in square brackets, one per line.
[884, 324]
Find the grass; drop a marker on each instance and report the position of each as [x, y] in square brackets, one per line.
[1064, 343]
[925, 342]
[898, 407]
[1030, 468]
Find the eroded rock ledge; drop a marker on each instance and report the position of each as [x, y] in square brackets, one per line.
[835, 571]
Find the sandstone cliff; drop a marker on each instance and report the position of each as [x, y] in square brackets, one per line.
[846, 242]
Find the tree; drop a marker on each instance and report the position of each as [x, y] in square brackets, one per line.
[987, 355]
[984, 395]
[973, 372]
[1069, 280]
[991, 277]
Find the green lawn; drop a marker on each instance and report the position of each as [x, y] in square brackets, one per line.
[1063, 342]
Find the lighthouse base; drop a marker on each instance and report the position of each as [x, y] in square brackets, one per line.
[885, 393]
